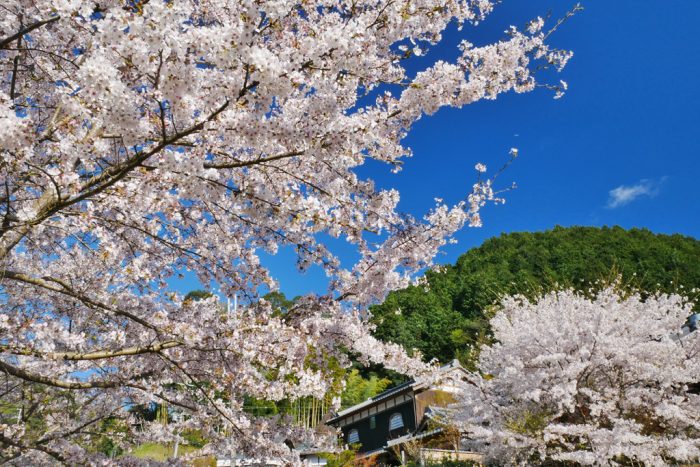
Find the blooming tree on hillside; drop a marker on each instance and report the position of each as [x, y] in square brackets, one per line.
[142, 138]
[595, 382]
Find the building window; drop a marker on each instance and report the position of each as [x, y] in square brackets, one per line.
[395, 422]
[353, 437]
[373, 422]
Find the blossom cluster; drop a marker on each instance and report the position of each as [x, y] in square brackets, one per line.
[602, 381]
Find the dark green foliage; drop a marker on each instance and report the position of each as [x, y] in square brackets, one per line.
[194, 438]
[359, 389]
[377, 371]
[263, 408]
[446, 319]
[198, 295]
[346, 458]
[104, 439]
[279, 301]
[148, 412]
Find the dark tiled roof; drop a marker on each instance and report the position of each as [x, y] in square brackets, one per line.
[372, 401]
[393, 390]
[388, 393]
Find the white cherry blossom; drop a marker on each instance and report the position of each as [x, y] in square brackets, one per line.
[140, 139]
[602, 381]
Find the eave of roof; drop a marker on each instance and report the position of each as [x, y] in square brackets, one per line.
[374, 400]
[372, 453]
[412, 437]
[454, 364]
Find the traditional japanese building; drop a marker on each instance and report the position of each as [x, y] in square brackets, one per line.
[397, 415]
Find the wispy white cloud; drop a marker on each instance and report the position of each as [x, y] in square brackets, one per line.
[625, 194]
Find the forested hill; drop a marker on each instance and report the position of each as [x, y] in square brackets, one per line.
[444, 318]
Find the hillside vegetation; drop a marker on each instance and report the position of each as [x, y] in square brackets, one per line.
[449, 314]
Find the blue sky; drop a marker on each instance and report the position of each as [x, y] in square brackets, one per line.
[620, 148]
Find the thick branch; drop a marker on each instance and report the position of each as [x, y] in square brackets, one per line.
[15, 66]
[23, 447]
[96, 355]
[41, 379]
[116, 173]
[8, 40]
[101, 182]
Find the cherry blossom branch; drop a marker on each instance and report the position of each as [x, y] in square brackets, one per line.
[101, 182]
[114, 181]
[116, 173]
[95, 355]
[15, 66]
[65, 289]
[233, 165]
[35, 378]
[24, 447]
[27, 29]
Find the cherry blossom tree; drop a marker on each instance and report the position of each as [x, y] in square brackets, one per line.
[601, 381]
[141, 139]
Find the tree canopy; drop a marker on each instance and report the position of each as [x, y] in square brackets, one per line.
[587, 381]
[141, 139]
[449, 313]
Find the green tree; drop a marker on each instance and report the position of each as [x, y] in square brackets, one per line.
[279, 301]
[198, 295]
[358, 389]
